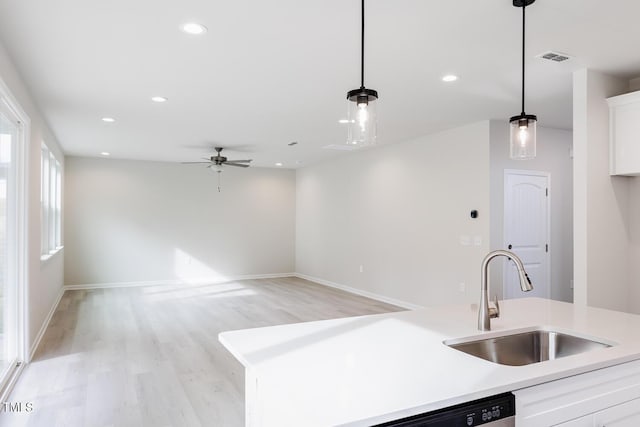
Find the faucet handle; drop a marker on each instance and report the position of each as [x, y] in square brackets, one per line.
[494, 312]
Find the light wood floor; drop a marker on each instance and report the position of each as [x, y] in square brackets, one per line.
[150, 356]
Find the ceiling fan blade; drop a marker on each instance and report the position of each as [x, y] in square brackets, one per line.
[240, 165]
[191, 163]
[240, 161]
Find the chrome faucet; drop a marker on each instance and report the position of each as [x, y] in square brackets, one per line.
[486, 313]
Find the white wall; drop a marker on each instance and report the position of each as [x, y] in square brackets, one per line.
[133, 221]
[602, 205]
[553, 157]
[399, 211]
[44, 279]
[634, 245]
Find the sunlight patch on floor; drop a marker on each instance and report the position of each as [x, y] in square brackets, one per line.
[212, 290]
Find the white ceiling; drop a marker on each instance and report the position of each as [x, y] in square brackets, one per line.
[271, 72]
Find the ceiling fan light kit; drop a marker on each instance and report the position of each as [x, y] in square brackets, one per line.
[220, 160]
[217, 162]
[523, 126]
[362, 117]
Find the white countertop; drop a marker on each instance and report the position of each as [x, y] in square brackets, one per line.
[371, 369]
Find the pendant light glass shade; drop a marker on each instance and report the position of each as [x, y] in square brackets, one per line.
[362, 117]
[523, 137]
[523, 126]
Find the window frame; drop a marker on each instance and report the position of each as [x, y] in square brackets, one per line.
[20, 234]
[50, 203]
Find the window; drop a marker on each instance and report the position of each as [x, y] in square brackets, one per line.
[14, 131]
[50, 202]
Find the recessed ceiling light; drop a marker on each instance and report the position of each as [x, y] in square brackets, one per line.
[193, 28]
[345, 121]
[108, 119]
[159, 99]
[278, 164]
[449, 78]
[104, 153]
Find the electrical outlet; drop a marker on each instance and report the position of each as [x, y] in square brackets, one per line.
[361, 268]
[462, 287]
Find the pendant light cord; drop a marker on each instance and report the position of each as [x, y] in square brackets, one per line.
[524, 6]
[362, 50]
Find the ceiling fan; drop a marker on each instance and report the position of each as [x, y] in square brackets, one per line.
[220, 160]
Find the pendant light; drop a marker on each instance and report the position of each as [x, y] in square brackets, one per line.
[361, 107]
[523, 126]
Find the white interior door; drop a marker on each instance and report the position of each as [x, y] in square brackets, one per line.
[526, 231]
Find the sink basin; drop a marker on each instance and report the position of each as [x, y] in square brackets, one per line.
[525, 348]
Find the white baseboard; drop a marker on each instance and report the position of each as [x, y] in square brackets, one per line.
[177, 282]
[45, 325]
[360, 292]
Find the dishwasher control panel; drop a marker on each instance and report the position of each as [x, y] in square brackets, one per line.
[470, 414]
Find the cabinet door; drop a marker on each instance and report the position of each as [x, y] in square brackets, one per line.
[624, 415]
[624, 120]
[566, 400]
[586, 421]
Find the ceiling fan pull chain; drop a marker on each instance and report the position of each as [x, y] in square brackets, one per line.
[219, 181]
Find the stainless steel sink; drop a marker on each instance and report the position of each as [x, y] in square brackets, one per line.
[525, 348]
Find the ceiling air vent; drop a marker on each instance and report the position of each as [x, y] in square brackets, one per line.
[554, 56]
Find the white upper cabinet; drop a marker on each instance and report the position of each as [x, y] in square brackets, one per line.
[624, 134]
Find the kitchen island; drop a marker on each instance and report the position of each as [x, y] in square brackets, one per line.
[365, 370]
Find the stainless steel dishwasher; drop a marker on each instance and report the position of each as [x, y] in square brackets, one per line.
[494, 411]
